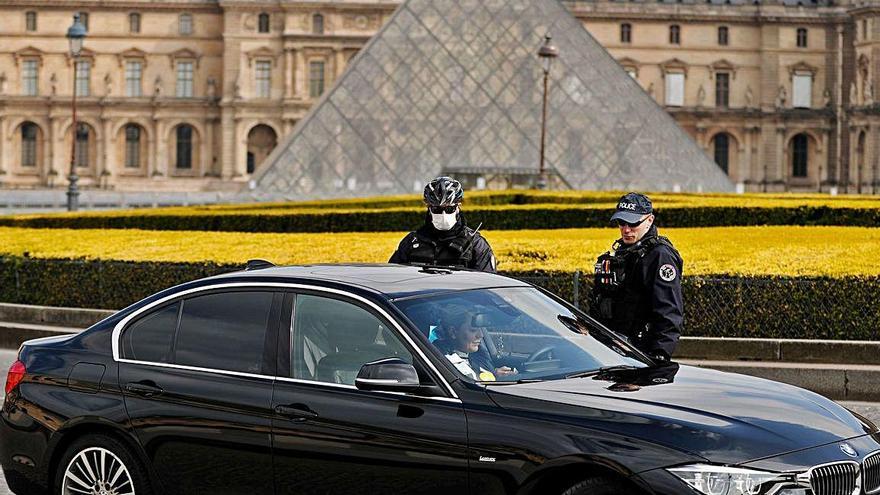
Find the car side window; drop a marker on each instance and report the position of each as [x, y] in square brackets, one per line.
[224, 331]
[150, 338]
[332, 339]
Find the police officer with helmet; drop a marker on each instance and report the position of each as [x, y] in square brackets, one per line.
[637, 290]
[445, 239]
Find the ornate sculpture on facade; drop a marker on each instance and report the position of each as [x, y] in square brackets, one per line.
[781, 96]
[236, 90]
[826, 98]
[701, 96]
[108, 84]
[3, 83]
[853, 93]
[53, 84]
[869, 93]
[750, 98]
[651, 90]
[157, 87]
[212, 88]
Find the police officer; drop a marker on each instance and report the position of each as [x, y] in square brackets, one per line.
[637, 290]
[445, 239]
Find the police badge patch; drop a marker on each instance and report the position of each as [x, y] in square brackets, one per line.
[667, 272]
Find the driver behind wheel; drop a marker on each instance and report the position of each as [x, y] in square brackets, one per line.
[460, 343]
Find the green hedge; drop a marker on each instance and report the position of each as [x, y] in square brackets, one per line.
[532, 217]
[826, 308]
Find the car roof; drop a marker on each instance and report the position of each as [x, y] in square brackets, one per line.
[391, 280]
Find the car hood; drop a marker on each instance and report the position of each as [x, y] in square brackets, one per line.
[722, 417]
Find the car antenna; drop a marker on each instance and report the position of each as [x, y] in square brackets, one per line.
[258, 264]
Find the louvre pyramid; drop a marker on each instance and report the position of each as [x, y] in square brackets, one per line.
[457, 84]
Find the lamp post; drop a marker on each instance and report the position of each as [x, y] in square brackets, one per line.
[547, 53]
[75, 35]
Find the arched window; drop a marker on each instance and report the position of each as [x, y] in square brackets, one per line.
[184, 146]
[723, 36]
[261, 141]
[802, 37]
[317, 24]
[675, 34]
[799, 155]
[263, 23]
[626, 33]
[83, 135]
[722, 151]
[132, 146]
[29, 132]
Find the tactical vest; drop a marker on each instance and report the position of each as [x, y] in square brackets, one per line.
[452, 252]
[611, 272]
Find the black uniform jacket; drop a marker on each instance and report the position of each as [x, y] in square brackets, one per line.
[460, 246]
[650, 308]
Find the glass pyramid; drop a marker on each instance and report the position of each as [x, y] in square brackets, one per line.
[456, 85]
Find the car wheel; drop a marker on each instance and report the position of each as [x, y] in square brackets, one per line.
[102, 465]
[597, 486]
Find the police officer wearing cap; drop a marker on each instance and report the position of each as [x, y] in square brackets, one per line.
[637, 290]
[445, 239]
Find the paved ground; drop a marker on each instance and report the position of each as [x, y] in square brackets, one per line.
[7, 357]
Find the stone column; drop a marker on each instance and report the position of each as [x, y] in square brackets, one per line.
[5, 142]
[49, 146]
[302, 70]
[108, 159]
[289, 72]
[339, 63]
[161, 152]
[872, 161]
[208, 148]
[228, 135]
[152, 147]
[240, 158]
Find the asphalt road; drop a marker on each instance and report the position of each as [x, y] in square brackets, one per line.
[7, 357]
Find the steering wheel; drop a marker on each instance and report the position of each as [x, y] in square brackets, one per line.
[543, 352]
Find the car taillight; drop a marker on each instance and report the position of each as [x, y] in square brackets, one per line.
[15, 375]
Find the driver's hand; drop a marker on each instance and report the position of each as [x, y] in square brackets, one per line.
[505, 371]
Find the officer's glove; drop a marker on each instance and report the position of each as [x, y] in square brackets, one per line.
[659, 357]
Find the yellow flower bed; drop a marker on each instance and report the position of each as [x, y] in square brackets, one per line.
[785, 251]
[497, 200]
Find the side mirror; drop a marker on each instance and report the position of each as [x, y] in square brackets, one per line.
[388, 375]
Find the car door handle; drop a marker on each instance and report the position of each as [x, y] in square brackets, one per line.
[144, 389]
[296, 412]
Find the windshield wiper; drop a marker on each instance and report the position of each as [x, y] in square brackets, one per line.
[521, 380]
[604, 369]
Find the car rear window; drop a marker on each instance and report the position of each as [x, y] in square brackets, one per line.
[150, 338]
[224, 331]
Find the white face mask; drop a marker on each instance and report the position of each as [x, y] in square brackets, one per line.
[443, 221]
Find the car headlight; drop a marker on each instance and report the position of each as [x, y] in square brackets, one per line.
[722, 480]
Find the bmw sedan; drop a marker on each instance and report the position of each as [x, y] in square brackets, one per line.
[388, 379]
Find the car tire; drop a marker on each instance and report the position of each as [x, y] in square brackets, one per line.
[597, 486]
[121, 471]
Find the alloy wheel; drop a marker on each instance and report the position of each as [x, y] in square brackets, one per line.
[96, 471]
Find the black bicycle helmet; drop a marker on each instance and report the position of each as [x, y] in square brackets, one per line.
[443, 191]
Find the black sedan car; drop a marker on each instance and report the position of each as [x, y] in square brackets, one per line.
[388, 379]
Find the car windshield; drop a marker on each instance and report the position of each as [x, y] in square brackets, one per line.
[518, 334]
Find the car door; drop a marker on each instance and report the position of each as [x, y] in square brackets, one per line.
[329, 437]
[197, 377]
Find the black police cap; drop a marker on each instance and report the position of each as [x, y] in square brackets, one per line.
[632, 207]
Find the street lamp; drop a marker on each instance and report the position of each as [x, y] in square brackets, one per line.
[547, 53]
[76, 34]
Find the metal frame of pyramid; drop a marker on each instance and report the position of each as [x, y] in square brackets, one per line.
[457, 85]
